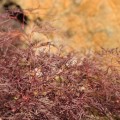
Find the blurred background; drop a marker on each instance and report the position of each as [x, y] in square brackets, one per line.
[82, 24]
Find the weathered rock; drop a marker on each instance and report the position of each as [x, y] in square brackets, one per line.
[84, 23]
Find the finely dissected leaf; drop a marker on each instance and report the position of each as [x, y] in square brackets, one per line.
[50, 86]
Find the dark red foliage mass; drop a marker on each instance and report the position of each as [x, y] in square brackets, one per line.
[54, 87]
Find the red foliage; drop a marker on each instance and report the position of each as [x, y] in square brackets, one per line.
[55, 87]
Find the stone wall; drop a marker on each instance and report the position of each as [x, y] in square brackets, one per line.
[83, 23]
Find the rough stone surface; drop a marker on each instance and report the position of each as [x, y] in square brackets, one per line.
[83, 23]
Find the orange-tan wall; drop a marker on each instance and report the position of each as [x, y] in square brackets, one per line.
[84, 23]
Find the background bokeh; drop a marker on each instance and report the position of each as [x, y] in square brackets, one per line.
[84, 24]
